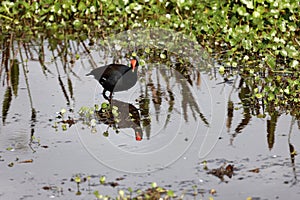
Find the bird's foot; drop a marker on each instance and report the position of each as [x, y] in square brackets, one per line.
[106, 97]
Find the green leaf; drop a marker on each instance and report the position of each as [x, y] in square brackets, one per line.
[170, 193]
[287, 90]
[222, 70]
[147, 50]
[282, 26]
[153, 185]
[51, 18]
[256, 14]
[102, 179]
[77, 24]
[247, 44]
[77, 179]
[271, 61]
[248, 3]
[63, 111]
[283, 52]
[115, 108]
[81, 6]
[121, 193]
[258, 95]
[163, 56]
[294, 64]
[93, 122]
[10, 149]
[242, 11]
[64, 127]
[97, 107]
[104, 105]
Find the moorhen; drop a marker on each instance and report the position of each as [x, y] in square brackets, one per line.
[116, 77]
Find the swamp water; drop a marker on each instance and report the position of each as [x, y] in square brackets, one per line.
[191, 123]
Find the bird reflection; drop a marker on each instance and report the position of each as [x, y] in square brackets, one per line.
[121, 115]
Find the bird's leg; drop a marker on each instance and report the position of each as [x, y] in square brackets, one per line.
[111, 95]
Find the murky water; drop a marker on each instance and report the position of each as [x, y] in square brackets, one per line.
[185, 121]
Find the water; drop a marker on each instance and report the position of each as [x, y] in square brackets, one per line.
[183, 125]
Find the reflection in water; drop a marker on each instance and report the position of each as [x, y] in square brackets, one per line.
[166, 89]
[165, 92]
[12, 72]
[251, 109]
[144, 104]
[169, 88]
[293, 151]
[244, 95]
[271, 128]
[167, 82]
[6, 103]
[230, 108]
[119, 115]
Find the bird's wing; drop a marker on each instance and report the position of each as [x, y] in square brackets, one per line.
[98, 72]
[111, 76]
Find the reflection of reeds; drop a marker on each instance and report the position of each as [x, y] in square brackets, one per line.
[230, 107]
[10, 67]
[159, 80]
[64, 54]
[6, 103]
[158, 89]
[252, 107]
[33, 110]
[293, 151]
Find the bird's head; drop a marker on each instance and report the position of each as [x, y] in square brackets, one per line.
[138, 136]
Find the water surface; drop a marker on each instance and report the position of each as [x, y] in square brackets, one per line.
[185, 121]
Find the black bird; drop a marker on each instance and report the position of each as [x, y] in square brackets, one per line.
[116, 77]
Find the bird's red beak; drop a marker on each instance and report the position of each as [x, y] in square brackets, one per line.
[138, 137]
[133, 64]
